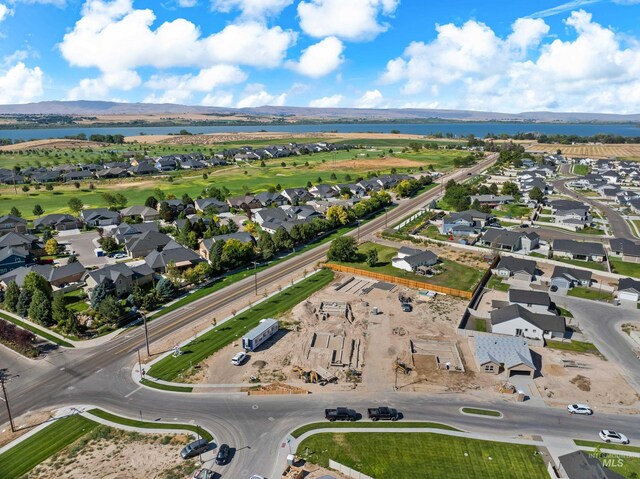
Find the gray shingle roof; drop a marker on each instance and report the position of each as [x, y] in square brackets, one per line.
[504, 350]
[571, 274]
[517, 265]
[529, 297]
[545, 322]
[629, 284]
[578, 247]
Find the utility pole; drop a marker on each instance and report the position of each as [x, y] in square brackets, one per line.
[6, 401]
[358, 230]
[139, 362]
[255, 276]
[386, 218]
[146, 333]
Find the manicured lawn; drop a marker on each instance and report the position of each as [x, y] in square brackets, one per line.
[367, 425]
[455, 275]
[537, 255]
[626, 466]
[591, 231]
[75, 302]
[166, 387]
[564, 312]
[576, 346]
[512, 211]
[626, 269]
[545, 219]
[151, 425]
[433, 233]
[170, 368]
[581, 170]
[37, 331]
[481, 412]
[19, 460]
[584, 264]
[589, 293]
[497, 284]
[481, 325]
[409, 456]
[604, 445]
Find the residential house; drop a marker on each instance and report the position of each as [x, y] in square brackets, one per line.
[143, 168]
[297, 195]
[580, 250]
[496, 354]
[32, 244]
[514, 320]
[535, 301]
[508, 240]
[629, 289]
[12, 223]
[584, 465]
[139, 246]
[123, 277]
[625, 249]
[410, 259]
[212, 203]
[465, 222]
[166, 163]
[323, 191]
[98, 217]
[268, 200]
[566, 278]
[126, 230]
[520, 269]
[13, 258]
[173, 254]
[207, 244]
[492, 200]
[140, 213]
[46, 177]
[177, 207]
[56, 276]
[245, 202]
[58, 222]
[78, 176]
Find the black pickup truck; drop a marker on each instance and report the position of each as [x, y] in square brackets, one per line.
[340, 414]
[385, 413]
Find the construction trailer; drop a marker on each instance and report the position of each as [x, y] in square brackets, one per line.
[258, 335]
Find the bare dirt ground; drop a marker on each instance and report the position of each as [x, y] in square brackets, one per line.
[389, 161]
[592, 151]
[56, 144]
[107, 453]
[23, 424]
[599, 384]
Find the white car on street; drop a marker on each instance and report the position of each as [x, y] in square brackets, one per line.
[612, 436]
[580, 409]
[239, 358]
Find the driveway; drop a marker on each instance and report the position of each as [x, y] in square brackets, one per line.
[601, 324]
[84, 244]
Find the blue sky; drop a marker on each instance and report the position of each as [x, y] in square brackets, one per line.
[499, 55]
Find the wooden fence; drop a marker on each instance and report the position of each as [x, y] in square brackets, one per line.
[401, 281]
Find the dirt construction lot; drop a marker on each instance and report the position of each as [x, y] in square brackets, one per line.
[592, 151]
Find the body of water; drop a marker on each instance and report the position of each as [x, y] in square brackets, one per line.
[479, 129]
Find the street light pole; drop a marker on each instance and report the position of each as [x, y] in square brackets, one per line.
[146, 333]
[6, 401]
[255, 276]
[358, 230]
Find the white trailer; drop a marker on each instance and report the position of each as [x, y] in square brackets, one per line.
[258, 335]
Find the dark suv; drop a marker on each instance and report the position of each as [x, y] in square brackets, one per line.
[194, 448]
[223, 455]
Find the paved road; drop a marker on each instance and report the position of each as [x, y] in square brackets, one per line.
[102, 375]
[601, 322]
[619, 226]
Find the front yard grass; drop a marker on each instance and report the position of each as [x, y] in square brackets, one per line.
[19, 460]
[589, 230]
[589, 293]
[455, 275]
[575, 346]
[512, 211]
[626, 269]
[584, 264]
[171, 368]
[411, 455]
[580, 170]
[432, 232]
[497, 284]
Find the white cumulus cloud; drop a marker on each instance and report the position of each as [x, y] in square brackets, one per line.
[221, 99]
[4, 12]
[99, 88]
[20, 84]
[371, 99]
[332, 101]
[320, 59]
[256, 95]
[252, 8]
[351, 20]
[187, 3]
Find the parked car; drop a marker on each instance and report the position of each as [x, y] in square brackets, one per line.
[239, 358]
[580, 409]
[194, 448]
[406, 307]
[612, 436]
[256, 477]
[553, 288]
[223, 455]
[120, 256]
[340, 414]
[384, 413]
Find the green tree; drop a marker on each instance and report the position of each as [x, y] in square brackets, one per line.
[151, 202]
[282, 239]
[40, 308]
[235, 253]
[37, 210]
[72, 259]
[165, 289]
[510, 188]
[109, 244]
[51, 247]
[372, 257]
[110, 310]
[337, 215]
[101, 292]
[75, 205]
[16, 212]
[11, 296]
[59, 311]
[536, 194]
[266, 246]
[343, 249]
[24, 301]
[34, 282]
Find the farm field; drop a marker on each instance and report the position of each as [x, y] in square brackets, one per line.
[627, 151]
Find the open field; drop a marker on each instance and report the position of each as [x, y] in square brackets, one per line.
[171, 367]
[592, 151]
[411, 455]
[455, 275]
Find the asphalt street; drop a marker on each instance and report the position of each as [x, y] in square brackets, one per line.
[256, 426]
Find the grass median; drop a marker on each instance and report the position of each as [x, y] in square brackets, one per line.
[37, 331]
[20, 459]
[604, 445]
[436, 456]
[368, 425]
[107, 416]
[170, 368]
[481, 412]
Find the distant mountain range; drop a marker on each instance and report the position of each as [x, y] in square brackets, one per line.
[92, 108]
